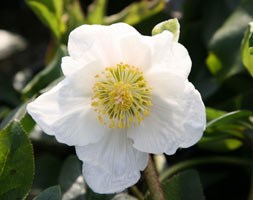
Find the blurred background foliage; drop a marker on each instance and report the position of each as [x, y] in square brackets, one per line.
[219, 37]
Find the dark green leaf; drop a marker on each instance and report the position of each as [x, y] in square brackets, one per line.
[52, 193]
[46, 76]
[19, 114]
[71, 179]
[225, 44]
[3, 112]
[17, 165]
[48, 167]
[212, 177]
[184, 186]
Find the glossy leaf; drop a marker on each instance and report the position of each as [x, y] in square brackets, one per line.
[247, 49]
[16, 163]
[52, 193]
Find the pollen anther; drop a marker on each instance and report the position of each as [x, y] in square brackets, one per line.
[121, 96]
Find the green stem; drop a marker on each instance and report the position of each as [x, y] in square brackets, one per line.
[151, 176]
[137, 193]
[204, 161]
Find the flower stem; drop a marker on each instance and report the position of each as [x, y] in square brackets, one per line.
[151, 176]
[137, 192]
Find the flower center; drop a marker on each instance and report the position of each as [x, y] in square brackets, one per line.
[121, 96]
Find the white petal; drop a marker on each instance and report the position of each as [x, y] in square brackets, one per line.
[171, 124]
[66, 113]
[70, 66]
[166, 84]
[135, 52]
[99, 41]
[195, 116]
[112, 164]
[168, 54]
[84, 79]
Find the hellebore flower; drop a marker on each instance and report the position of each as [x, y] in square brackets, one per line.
[124, 96]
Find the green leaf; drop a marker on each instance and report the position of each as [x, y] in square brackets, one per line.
[71, 179]
[213, 63]
[19, 114]
[97, 12]
[212, 177]
[46, 76]
[225, 43]
[231, 117]
[4, 110]
[16, 163]
[49, 12]
[137, 12]
[220, 144]
[73, 16]
[225, 133]
[48, 167]
[184, 186]
[51, 193]
[212, 113]
[171, 25]
[246, 49]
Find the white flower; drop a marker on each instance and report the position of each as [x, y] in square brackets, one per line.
[124, 95]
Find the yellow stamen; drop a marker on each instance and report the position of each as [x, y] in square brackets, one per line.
[121, 96]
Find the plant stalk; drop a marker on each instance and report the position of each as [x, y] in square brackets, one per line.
[137, 193]
[152, 179]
